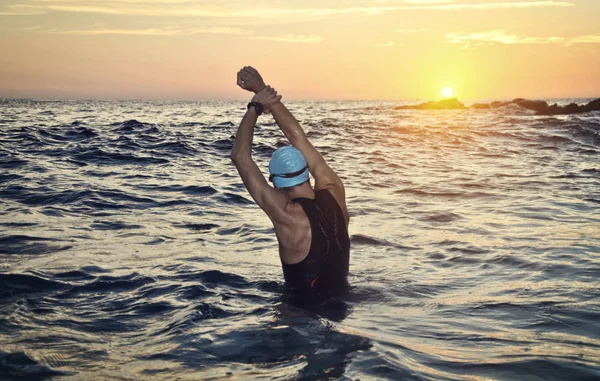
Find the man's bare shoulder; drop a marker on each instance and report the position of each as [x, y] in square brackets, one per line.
[294, 212]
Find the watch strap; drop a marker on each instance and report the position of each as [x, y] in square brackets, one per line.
[258, 107]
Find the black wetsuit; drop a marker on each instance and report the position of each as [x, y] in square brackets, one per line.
[325, 268]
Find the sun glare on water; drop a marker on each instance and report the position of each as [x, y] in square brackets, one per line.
[447, 92]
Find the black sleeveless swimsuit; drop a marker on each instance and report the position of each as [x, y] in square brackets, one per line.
[325, 268]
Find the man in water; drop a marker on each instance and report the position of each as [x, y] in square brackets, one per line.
[311, 224]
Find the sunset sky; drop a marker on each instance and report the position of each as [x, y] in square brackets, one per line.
[310, 49]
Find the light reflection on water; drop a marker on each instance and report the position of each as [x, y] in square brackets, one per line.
[130, 249]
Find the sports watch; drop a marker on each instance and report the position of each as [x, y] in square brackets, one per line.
[257, 106]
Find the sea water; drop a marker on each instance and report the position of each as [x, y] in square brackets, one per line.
[130, 250]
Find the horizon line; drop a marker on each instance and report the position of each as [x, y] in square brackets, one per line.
[3, 98]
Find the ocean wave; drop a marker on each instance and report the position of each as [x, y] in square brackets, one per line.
[100, 156]
[21, 244]
[127, 237]
[19, 366]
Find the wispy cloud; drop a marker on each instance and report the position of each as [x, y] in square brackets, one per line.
[458, 4]
[35, 11]
[587, 39]
[428, 1]
[498, 37]
[14, 14]
[418, 2]
[23, 9]
[386, 44]
[230, 10]
[499, 5]
[294, 38]
[168, 31]
[411, 31]
[502, 37]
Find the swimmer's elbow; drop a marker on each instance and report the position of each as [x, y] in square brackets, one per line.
[239, 156]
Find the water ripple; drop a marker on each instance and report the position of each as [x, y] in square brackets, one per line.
[127, 238]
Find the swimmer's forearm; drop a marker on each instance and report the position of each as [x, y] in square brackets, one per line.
[288, 124]
[242, 145]
[295, 134]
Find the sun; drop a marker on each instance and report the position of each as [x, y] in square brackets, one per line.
[447, 92]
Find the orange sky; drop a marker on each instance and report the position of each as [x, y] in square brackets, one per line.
[327, 49]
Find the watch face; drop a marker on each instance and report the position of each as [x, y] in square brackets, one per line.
[259, 108]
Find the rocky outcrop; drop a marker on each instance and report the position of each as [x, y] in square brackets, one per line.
[532, 105]
[497, 104]
[445, 104]
[540, 107]
[571, 108]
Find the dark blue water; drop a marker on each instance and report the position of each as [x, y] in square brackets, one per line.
[130, 250]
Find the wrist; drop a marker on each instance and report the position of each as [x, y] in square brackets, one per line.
[256, 107]
[261, 89]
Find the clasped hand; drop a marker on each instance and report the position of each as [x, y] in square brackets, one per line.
[248, 78]
[267, 97]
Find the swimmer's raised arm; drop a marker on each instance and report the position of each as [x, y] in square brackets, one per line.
[269, 200]
[325, 177]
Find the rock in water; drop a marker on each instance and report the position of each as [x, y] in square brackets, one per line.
[445, 104]
[571, 108]
[593, 105]
[540, 107]
[497, 104]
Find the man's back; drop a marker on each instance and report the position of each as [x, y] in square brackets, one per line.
[324, 260]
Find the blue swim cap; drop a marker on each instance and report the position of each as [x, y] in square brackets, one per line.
[288, 167]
